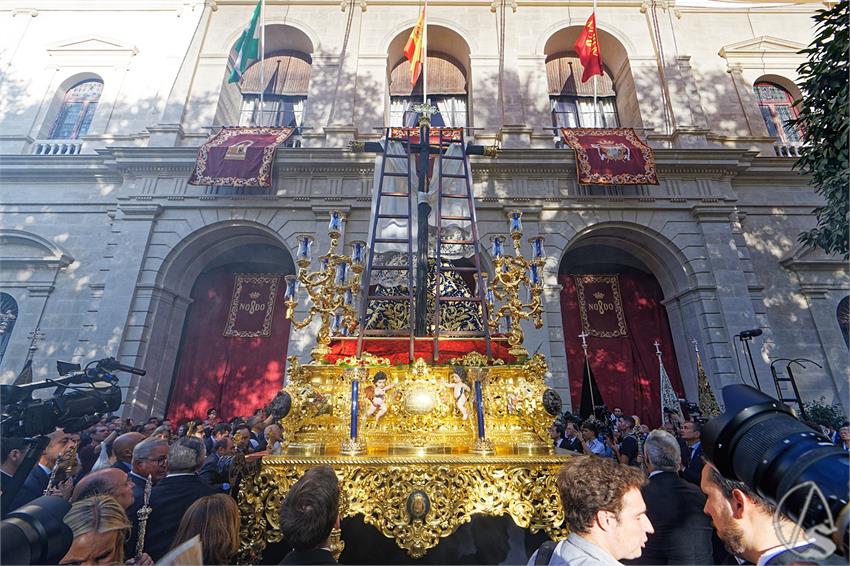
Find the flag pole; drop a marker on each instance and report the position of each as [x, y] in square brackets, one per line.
[263, 57]
[657, 345]
[595, 77]
[425, 55]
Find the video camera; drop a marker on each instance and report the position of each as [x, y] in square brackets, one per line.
[79, 400]
[760, 442]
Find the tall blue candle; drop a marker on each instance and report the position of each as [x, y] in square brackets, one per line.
[479, 406]
[355, 387]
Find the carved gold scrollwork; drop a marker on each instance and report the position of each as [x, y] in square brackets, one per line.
[415, 501]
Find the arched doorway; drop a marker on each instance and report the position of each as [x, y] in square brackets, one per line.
[233, 349]
[615, 299]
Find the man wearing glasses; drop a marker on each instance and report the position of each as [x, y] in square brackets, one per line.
[150, 457]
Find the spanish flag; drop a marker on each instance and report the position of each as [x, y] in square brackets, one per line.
[414, 50]
[587, 48]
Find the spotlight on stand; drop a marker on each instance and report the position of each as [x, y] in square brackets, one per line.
[759, 441]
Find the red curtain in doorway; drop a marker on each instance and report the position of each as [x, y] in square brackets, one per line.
[218, 367]
[625, 367]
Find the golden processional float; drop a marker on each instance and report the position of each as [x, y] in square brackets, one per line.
[420, 394]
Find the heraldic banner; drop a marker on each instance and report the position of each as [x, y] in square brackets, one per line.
[611, 156]
[252, 305]
[600, 306]
[239, 157]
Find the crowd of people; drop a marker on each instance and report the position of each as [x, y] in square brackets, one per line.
[631, 495]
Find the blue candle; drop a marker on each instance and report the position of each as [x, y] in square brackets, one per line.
[515, 222]
[498, 247]
[335, 225]
[304, 245]
[537, 248]
[535, 274]
[479, 407]
[355, 388]
[358, 252]
[291, 287]
[341, 273]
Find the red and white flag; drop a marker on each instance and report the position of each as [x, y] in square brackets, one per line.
[587, 47]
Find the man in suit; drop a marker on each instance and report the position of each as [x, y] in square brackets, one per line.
[174, 494]
[108, 481]
[308, 514]
[219, 432]
[209, 471]
[692, 434]
[123, 450]
[747, 525]
[150, 457]
[35, 484]
[13, 450]
[674, 507]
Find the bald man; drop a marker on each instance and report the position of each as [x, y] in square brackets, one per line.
[123, 450]
[109, 481]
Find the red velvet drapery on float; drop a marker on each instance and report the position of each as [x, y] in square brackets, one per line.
[396, 350]
[625, 366]
[233, 353]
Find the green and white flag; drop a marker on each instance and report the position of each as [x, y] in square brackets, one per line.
[248, 46]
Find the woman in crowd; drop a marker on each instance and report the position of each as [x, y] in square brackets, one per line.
[215, 518]
[100, 527]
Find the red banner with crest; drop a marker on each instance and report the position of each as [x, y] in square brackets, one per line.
[252, 305]
[600, 306]
[435, 135]
[611, 156]
[239, 157]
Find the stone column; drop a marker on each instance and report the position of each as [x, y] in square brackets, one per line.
[731, 302]
[747, 100]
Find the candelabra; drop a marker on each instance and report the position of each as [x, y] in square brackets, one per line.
[509, 275]
[331, 288]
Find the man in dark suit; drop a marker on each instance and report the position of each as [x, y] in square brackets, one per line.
[150, 458]
[36, 482]
[123, 450]
[692, 434]
[308, 514]
[13, 450]
[174, 494]
[209, 471]
[750, 529]
[674, 507]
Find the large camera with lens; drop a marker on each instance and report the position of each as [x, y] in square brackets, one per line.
[80, 398]
[760, 442]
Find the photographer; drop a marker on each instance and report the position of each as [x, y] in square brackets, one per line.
[748, 526]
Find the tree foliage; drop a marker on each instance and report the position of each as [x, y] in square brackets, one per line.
[824, 120]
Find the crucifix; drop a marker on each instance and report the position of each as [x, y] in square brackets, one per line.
[34, 337]
[657, 345]
[583, 337]
[696, 345]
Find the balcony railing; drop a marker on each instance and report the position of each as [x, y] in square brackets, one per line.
[787, 149]
[57, 147]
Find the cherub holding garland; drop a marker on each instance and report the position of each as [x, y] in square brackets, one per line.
[460, 390]
[378, 401]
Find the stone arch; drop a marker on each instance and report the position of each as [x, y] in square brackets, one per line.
[661, 256]
[283, 36]
[387, 42]
[20, 245]
[616, 50]
[170, 296]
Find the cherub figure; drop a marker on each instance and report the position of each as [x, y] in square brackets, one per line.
[378, 406]
[460, 389]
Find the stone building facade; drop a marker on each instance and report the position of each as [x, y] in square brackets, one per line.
[103, 238]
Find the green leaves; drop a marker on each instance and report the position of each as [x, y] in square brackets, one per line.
[823, 117]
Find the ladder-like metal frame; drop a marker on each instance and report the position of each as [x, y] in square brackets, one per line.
[367, 276]
[445, 141]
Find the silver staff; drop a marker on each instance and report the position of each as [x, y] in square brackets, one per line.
[143, 513]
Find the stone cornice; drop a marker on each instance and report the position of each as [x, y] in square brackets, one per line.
[114, 163]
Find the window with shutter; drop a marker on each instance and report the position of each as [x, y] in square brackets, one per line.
[446, 91]
[572, 100]
[77, 110]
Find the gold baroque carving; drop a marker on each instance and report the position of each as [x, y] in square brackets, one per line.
[456, 487]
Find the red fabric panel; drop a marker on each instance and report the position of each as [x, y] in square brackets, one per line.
[396, 350]
[234, 375]
[625, 368]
